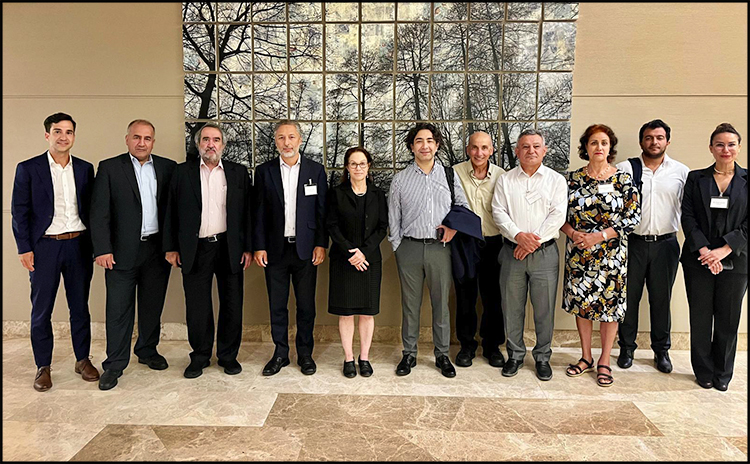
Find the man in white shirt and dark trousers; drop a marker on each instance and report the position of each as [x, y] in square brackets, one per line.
[529, 206]
[653, 251]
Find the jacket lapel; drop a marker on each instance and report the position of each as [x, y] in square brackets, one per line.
[159, 170]
[194, 173]
[705, 188]
[129, 172]
[739, 182]
[79, 173]
[45, 177]
[230, 173]
[276, 179]
[303, 179]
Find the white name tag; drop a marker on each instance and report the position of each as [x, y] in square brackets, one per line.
[311, 190]
[606, 188]
[720, 202]
[533, 197]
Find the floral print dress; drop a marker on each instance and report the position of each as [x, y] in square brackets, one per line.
[595, 283]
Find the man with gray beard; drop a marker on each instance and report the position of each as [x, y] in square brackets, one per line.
[207, 231]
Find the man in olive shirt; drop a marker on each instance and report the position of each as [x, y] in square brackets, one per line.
[478, 177]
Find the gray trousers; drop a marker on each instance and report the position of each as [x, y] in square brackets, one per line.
[536, 274]
[416, 263]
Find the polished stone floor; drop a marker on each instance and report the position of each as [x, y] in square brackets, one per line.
[478, 415]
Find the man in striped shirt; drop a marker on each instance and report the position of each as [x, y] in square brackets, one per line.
[419, 200]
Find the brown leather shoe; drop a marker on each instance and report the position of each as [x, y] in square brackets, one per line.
[87, 370]
[43, 380]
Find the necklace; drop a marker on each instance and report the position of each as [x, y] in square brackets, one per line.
[601, 176]
[723, 172]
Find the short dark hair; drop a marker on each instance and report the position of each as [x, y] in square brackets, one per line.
[421, 126]
[55, 118]
[141, 121]
[345, 178]
[591, 130]
[725, 127]
[655, 124]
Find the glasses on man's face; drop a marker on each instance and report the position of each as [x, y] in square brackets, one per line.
[362, 166]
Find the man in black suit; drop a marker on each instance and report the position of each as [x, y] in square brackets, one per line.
[50, 207]
[127, 221]
[290, 241]
[207, 231]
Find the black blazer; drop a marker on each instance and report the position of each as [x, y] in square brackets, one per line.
[341, 214]
[696, 217]
[33, 199]
[116, 211]
[182, 221]
[310, 230]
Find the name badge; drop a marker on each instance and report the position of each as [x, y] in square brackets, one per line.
[606, 188]
[719, 202]
[311, 190]
[533, 197]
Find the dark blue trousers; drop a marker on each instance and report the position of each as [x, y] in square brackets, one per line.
[71, 260]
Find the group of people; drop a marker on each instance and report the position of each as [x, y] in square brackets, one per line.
[488, 232]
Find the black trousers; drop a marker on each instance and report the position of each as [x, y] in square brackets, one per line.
[486, 283]
[212, 258]
[655, 265]
[715, 303]
[303, 276]
[149, 277]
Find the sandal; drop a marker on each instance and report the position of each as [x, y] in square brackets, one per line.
[604, 380]
[574, 370]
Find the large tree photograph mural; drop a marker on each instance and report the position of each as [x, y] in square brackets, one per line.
[364, 73]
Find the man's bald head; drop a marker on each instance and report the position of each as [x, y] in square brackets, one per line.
[479, 149]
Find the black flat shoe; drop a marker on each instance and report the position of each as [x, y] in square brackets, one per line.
[273, 366]
[404, 367]
[543, 370]
[704, 384]
[307, 365]
[662, 362]
[195, 369]
[495, 358]
[511, 367]
[464, 357]
[721, 386]
[625, 359]
[350, 371]
[108, 380]
[365, 368]
[156, 362]
[446, 368]
[230, 367]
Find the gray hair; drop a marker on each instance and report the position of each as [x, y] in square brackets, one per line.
[531, 132]
[287, 122]
[209, 124]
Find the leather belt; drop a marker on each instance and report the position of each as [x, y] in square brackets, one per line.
[145, 238]
[290, 239]
[653, 238]
[426, 241]
[65, 236]
[513, 244]
[213, 238]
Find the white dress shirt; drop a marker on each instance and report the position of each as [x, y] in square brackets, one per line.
[66, 217]
[661, 196]
[214, 200]
[145, 175]
[537, 203]
[289, 180]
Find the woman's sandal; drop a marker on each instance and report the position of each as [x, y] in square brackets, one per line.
[574, 370]
[604, 380]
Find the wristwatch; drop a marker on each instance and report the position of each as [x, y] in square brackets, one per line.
[604, 235]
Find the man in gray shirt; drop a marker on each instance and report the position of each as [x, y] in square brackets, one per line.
[419, 200]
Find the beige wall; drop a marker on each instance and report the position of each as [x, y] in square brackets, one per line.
[106, 64]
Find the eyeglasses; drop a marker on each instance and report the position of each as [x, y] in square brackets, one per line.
[362, 165]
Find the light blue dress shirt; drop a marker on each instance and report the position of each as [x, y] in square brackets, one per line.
[146, 176]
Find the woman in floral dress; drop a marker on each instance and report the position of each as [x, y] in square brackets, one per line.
[603, 208]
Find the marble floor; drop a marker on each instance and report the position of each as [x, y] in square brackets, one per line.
[478, 415]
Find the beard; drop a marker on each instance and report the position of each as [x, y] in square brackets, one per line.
[210, 157]
[650, 155]
[285, 154]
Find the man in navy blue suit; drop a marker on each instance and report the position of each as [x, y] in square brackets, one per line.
[50, 206]
[290, 240]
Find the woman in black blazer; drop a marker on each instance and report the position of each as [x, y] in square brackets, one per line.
[714, 258]
[357, 220]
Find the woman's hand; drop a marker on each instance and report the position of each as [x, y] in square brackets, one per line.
[585, 241]
[358, 260]
[711, 257]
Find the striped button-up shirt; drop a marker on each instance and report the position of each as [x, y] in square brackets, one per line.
[418, 202]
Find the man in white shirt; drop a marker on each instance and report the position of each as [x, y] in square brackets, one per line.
[653, 251]
[478, 177]
[529, 206]
[50, 209]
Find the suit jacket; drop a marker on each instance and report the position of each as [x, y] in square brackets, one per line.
[116, 211]
[696, 217]
[182, 221]
[310, 230]
[33, 200]
[466, 244]
[341, 216]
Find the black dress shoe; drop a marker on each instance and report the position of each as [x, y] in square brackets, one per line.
[350, 371]
[273, 366]
[625, 359]
[663, 363]
[307, 365]
[108, 380]
[543, 370]
[511, 367]
[404, 367]
[446, 368]
[230, 367]
[156, 362]
[721, 386]
[464, 357]
[365, 368]
[704, 384]
[495, 358]
[195, 369]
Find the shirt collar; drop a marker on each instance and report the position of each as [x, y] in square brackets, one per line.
[541, 171]
[203, 163]
[53, 163]
[419, 170]
[667, 160]
[471, 171]
[150, 159]
[299, 161]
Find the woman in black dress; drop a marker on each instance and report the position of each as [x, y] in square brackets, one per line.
[357, 222]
